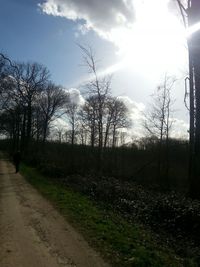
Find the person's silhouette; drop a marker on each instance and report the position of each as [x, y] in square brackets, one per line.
[17, 159]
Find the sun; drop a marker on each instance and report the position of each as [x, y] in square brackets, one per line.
[155, 42]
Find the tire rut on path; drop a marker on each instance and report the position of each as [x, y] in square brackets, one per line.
[33, 233]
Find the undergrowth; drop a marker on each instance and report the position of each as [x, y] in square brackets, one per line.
[121, 242]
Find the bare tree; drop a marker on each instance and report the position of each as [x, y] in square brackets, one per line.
[10, 104]
[50, 102]
[99, 88]
[59, 132]
[72, 108]
[29, 101]
[88, 115]
[116, 118]
[102, 114]
[158, 120]
[30, 79]
[4, 73]
[82, 133]
[120, 118]
[7, 83]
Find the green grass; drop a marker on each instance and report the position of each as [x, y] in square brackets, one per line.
[119, 241]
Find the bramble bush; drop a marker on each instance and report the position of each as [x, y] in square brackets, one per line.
[171, 212]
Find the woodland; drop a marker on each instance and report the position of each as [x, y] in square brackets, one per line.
[154, 180]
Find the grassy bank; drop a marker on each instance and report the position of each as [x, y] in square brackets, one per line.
[122, 243]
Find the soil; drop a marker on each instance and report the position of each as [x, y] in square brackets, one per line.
[33, 233]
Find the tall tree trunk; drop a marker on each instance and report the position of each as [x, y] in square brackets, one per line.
[73, 134]
[45, 131]
[160, 145]
[193, 18]
[23, 131]
[167, 184]
[114, 136]
[106, 134]
[29, 124]
[192, 129]
[92, 137]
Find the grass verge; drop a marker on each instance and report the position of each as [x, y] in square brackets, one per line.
[119, 241]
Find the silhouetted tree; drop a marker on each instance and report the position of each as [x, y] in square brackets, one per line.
[116, 118]
[88, 115]
[72, 111]
[158, 120]
[30, 79]
[99, 89]
[190, 11]
[51, 102]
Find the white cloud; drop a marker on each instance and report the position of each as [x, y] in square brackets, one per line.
[59, 123]
[152, 43]
[75, 96]
[136, 114]
[180, 129]
[140, 29]
[101, 16]
[132, 105]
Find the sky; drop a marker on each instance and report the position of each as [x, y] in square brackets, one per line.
[137, 41]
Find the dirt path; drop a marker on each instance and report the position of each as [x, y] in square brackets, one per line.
[33, 233]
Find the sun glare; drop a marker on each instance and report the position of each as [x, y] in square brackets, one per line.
[194, 28]
[156, 41]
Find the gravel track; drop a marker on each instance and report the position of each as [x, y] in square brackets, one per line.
[33, 233]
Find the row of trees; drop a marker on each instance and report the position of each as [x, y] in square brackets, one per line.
[84, 125]
[30, 102]
[102, 114]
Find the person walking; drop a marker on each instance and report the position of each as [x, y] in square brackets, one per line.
[17, 159]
